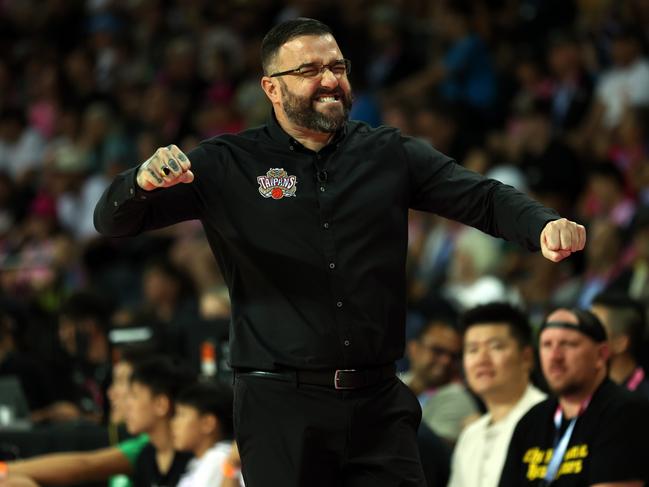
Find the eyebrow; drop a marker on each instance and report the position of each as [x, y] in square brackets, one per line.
[488, 340]
[317, 63]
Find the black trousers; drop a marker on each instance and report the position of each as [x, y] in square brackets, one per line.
[298, 435]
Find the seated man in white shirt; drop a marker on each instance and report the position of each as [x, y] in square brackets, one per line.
[498, 358]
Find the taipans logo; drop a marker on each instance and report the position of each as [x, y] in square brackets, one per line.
[277, 184]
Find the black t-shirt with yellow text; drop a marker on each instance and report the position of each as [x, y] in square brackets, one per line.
[608, 443]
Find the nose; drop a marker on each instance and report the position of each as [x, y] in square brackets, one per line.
[481, 356]
[555, 353]
[328, 79]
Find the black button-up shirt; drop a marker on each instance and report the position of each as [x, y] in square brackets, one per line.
[313, 245]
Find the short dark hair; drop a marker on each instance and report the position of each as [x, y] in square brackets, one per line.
[132, 354]
[627, 317]
[515, 319]
[284, 32]
[214, 398]
[162, 375]
[440, 320]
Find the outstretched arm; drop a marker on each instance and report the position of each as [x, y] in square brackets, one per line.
[72, 468]
[17, 481]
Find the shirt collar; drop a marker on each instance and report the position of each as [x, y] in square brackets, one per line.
[278, 134]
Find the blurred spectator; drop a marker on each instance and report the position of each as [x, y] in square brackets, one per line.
[32, 377]
[624, 84]
[195, 256]
[472, 278]
[155, 383]
[498, 359]
[629, 151]
[552, 170]
[115, 461]
[633, 279]
[434, 377]
[104, 144]
[624, 320]
[392, 56]
[84, 369]
[464, 75]
[76, 191]
[602, 427]
[169, 300]
[605, 196]
[21, 146]
[203, 425]
[572, 86]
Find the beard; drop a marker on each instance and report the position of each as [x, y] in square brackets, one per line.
[567, 389]
[301, 110]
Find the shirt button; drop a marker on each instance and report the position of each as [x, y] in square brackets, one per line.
[115, 203]
[290, 147]
[322, 188]
[347, 343]
[339, 304]
[131, 190]
[325, 224]
[332, 265]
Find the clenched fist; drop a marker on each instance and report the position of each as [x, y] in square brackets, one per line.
[560, 238]
[167, 167]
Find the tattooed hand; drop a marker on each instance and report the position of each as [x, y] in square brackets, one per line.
[167, 167]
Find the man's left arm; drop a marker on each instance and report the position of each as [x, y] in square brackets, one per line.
[440, 185]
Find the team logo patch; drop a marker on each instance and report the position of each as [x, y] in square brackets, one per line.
[277, 184]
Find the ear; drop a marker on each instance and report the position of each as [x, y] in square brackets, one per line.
[271, 88]
[603, 354]
[527, 355]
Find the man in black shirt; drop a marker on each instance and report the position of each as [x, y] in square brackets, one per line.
[595, 432]
[307, 217]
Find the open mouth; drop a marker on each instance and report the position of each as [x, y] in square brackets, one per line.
[484, 373]
[328, 98]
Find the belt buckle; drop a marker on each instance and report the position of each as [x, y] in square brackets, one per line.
[337, 379]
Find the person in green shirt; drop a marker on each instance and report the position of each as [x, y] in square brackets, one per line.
[114, 463]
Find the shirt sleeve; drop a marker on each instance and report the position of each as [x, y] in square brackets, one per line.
[132, 447]
[125, 209]
[440, 185]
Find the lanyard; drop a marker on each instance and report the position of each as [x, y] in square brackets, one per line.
[637, 377]
[561, 445]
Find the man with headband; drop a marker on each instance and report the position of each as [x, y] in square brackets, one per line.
[593, 432]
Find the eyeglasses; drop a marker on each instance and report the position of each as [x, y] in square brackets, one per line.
[338, 68]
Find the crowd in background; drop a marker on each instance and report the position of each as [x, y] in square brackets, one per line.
[549, 96]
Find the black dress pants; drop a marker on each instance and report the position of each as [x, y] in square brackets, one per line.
[298, 435]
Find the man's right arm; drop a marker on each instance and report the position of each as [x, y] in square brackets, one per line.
[73, 468]
[149, 196]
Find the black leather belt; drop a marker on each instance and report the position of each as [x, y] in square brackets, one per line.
[341, 379]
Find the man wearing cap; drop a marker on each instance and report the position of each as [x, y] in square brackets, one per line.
[593, 432]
